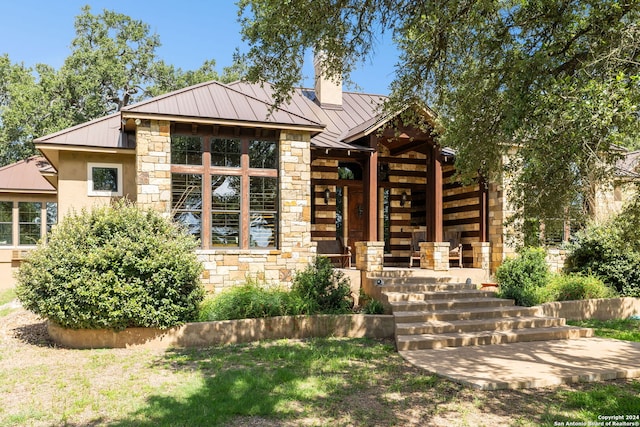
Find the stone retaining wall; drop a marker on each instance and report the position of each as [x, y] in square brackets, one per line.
[204, 334]
[600, 309]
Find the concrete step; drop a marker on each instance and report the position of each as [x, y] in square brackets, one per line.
[433, 341]
[477, 325]
[466, 314]
[428, 287]
[438, 295]
[412, 280]
[449, 304]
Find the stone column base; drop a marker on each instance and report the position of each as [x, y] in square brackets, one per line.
[481, 255]
[369, 256]
[434, 255]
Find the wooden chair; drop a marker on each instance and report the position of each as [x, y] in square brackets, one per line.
[335, 251]
[417, 237]
[455, 248]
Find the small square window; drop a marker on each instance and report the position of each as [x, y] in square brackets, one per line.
[104, 179]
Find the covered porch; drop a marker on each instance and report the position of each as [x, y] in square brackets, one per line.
[390, 196]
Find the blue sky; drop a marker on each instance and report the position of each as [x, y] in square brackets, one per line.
[191, 31]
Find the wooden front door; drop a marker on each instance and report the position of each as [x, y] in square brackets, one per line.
[356, 217]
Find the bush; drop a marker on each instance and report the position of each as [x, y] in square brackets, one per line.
[322, 289]
[250, 301]
[114, 267]
[373, 306]
[522, 278]
[576, 287]
[609, 252]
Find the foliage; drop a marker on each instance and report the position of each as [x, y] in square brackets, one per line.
[611, 251]
[114, 267]
[113, 63]
[619, 329]
[322, 289]
[369, 305]
[557, 80]
[571, 287]
[250, 301]
[523, 278]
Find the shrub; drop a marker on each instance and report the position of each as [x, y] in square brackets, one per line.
[522, 278]
[250, 301]
[609, 252]
[114, 267]
[576, 287]
[373, 306]
[322, 289]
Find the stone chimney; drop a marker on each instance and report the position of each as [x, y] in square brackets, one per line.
[328, 91]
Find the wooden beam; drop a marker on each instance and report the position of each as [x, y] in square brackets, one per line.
[370, 179]
[434, 196]
[483, 198]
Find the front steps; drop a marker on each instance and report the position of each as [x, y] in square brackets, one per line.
[437, 312]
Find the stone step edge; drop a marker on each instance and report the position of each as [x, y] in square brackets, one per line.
[468, 314]
[434, 341]
[490, 322]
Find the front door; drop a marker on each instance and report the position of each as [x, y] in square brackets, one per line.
[356, 216]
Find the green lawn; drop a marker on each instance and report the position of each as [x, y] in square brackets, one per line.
[317, 382]
[5, 297]
[620, 329]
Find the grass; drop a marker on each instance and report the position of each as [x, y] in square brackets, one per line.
[360, 382]
[619, 329]
[6, 297]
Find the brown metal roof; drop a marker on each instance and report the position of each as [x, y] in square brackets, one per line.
[103, 132]
[24, 177]
[214, 100]
[356, 109]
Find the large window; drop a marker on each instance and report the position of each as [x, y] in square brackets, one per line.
[30, 222]
[24, 223]
[225, 190]
[6, 223]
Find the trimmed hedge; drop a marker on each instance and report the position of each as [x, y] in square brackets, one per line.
[113, 267]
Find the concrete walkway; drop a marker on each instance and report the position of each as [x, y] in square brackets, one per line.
[532, 364]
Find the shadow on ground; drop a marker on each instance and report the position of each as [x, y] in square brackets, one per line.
[323, 381]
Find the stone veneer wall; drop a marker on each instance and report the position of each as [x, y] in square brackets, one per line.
[153, 165]
[227, 267]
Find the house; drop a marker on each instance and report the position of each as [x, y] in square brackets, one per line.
[260, 186]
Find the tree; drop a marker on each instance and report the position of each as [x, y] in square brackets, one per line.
[113, 63]
[558, 79]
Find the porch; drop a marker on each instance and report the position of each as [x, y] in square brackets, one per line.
[397, 188]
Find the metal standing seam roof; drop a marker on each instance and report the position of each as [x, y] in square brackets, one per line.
[215, 100]
[237, 102]
[25, 176]
[356, 109]
[103, 132]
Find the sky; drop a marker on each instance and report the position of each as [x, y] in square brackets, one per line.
[191, 31]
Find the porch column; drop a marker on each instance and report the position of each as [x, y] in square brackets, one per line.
[369, 256]
[483, 199]
[434, 195]
[371, 196]
[481, 255]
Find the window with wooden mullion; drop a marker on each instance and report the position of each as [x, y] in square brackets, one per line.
[233, 184]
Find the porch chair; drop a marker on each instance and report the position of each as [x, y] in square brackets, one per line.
[455, 246]
[417, 237]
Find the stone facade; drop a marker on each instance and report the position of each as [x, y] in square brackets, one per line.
[555, 259]
[153, 165]
[226, 268]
